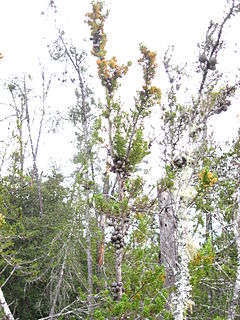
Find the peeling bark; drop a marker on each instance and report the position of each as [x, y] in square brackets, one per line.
[168, 246]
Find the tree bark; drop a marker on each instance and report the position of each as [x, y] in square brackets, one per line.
[182, 297]
[118, 268]
[101, 247]
[183, 287]
[5, 307]
[168, 245]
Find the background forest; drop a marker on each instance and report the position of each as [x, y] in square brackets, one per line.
[147, 224]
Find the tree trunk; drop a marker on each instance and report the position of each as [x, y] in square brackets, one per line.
[101, 225]
[34, 152]
[168, 242]
[118, 268]
[208, 225]
[182, 195]
[118, 236]
[208, 235]
[89, 254]
[122, 227]
[181, 297]
[5, 307]
[35, 169]
[100, 247]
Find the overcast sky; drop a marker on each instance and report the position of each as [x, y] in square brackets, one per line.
[25, 33]
[157, 23]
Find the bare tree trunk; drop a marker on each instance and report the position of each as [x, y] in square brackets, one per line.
[21, 144]
[22, 113]
[182, 297]
[35, 151]
[20, 119]
[168, 238]
[83, 104]
[34, 155]
[183, 287]
[235, 297]
[174, 235]
[5, 307]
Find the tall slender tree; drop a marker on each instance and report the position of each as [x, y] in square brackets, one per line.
[20, 91]
[126, 145]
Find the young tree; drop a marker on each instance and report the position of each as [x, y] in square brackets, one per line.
[126, 145]
[86, 124]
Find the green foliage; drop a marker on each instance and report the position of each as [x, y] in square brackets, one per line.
[96, 131]
[168, 181]
[144, 284]
[26, 240]
[119, 144]
[135, 187]
[110, 207]
[141, 234]
[139, 148]
[143, 288]
[98, 315]
[206, 276]
[170, 116]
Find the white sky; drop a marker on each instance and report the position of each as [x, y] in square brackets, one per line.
[24, 34]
